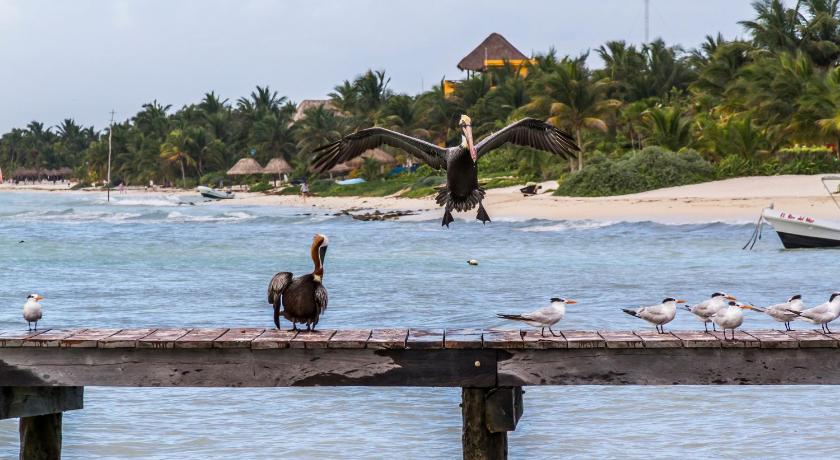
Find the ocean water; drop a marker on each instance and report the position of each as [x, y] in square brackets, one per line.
[156, 260]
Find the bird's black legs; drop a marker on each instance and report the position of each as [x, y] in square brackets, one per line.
[787, 326]
[542, 333]
[705, 326]
[826, 328]
[308, 327]
[29, 325]
[294, 326]
[36, 326]
[447, 216]
[714, 328]
[552, 332]
[482, 214]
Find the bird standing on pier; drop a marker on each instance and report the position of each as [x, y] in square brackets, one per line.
[784, 312]
[543, 317]
[731, 317]
[707, 308]
[32, 311]
[303, 298]
[462, 191]
[822, 314]
[659, 315]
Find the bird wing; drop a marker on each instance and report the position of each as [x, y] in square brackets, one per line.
[355, 144]
[321, 298]
[277, 285]
[530, 132]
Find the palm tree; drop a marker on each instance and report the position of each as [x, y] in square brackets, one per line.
[174, 150]
[775, 26]
[669, 127]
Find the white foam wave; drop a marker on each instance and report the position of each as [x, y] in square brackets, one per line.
[233, 216]
[566, 226]
[169, 200]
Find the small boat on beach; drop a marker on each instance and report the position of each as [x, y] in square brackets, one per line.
[215, 194]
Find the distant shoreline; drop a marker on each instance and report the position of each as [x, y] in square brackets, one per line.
[737, 200]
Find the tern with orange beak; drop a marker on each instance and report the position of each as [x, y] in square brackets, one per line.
[707, 308]
[304, 298]
[731, 317]
[32, 311]
[462, 191]
[659, 315]
[544, 317]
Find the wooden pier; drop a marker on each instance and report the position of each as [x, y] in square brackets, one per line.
[42, 374]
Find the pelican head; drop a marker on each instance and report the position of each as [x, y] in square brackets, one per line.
[320, 243]
[35, 297]
[466, 136]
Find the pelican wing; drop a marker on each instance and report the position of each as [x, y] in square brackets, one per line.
[355, 144]
[277, 285]
[530, 132]
[321, 298]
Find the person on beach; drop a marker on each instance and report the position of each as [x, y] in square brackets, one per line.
[304, 190]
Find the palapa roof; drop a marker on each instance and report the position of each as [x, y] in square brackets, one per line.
[277, 166]
[341, 168]
[377, 155]
[307, 104]
[493, 47]
[245, 166]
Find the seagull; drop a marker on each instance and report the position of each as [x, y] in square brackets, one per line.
[543, 317]
[705, 309]
[731, 317]
[659, 314]
[822, 314]
[784, 312]
[32, 310]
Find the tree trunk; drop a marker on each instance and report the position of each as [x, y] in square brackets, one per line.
[580, 144]
[183, 174]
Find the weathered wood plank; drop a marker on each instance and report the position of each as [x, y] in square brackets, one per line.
[534, 339]
[697, 339]
[50, 338]
[463, 338]
[774, 339]
[126, 338]
[584, 339]
[238, 337]
[813, 339]
[31, 401]
[273, 339]
[653, 339]
[620, 339]
[162, 338]
[313, 339]
[40, 437]
[391, 339]
[88, 338]
[503, 338]
[199, 338]
[478, 443]
[15, 338]
[424, 339]
[741, 340]
[354, 338]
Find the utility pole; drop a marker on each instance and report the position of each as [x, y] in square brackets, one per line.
[647, 21]
[110, 135]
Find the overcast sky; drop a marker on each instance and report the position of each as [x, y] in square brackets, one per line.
[81, 58]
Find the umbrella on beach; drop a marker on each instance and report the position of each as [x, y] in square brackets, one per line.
[244, 167]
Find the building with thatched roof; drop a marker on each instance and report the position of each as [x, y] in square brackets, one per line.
[278, 167]
[245, 166]
[307, 104]
[492, 52]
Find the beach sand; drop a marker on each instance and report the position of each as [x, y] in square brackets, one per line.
[731, 200]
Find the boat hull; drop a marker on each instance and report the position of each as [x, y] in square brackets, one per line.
[797, 232]
[208, 192]
[794, 241]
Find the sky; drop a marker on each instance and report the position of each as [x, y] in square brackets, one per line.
[82, 59]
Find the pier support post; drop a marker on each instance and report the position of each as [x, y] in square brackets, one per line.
[40, 437]
[488, 414]
[40, 411]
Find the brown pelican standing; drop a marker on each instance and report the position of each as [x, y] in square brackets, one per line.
[303, 298]
[462, 191]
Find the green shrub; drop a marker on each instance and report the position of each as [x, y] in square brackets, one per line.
[212, 179]
[633, 172]
[260, 187]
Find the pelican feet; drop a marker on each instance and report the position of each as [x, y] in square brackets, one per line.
[482, 214]
[447, 218]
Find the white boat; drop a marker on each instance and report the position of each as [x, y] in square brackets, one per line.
[800, 231]
[208, 192]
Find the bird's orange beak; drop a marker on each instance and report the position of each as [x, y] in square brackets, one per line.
[680, 301]
[729, 297]
[571, 301]
[39, 298]
[470, 146]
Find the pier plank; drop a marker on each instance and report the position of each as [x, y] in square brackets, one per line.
[425, 339]
[50, 338]
[741, 340]
[463, 338]
[774, 339]
[352, 338]
[126, 338]
[15, 338]
[653, 339]
[240, 337]
[621, 339]
[199, 338]
[313, 339]
[162, 338]
[390, 339]
[584, 339]
[503, 338]
[535, 340]
[809, 338]
[88, 338]
[697, 339]
[273, 339]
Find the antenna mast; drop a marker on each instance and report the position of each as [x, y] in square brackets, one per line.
[110, 133]
[647, 21]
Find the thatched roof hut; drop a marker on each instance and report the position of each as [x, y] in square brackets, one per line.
[245, 166]
[277, 166]
[378, 155]
[493, 48]
[26, 173]
[307, 104]
[341, 168]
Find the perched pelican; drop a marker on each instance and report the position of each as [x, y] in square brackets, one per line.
[705, 309]
[543, 317]
[822, 314]
[731, 317]
[303, 298]
[659, 315]
[462, 191]
[784, 312]
[32, 310]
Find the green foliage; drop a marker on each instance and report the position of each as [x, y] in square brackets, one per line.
[634, 172]
[260, 187]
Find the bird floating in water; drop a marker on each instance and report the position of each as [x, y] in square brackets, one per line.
[822, 314]
[543, 317]
[784, 312]
[731, 317]
[659, 315]
[32, 311]
[304, 298]
[472, 262]
[705, 309]
[461, 192]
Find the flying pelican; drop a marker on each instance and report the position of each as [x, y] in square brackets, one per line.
[543, 317]
[32, 310]
[462, 191]
[822, 314]
[705, 309]
[783, 312]
[659, 315]
[731, 317]
[303, 298]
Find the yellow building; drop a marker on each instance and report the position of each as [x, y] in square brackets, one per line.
[494, 52]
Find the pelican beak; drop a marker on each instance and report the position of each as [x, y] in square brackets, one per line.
[680, 301]
[322, 253]
[729, 297]
[571, 301]
[470, 146]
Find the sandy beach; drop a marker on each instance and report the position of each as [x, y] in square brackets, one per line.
[731, 200]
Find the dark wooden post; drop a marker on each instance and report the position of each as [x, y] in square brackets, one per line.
[40, 437]
[39, 409]
[488, 414]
